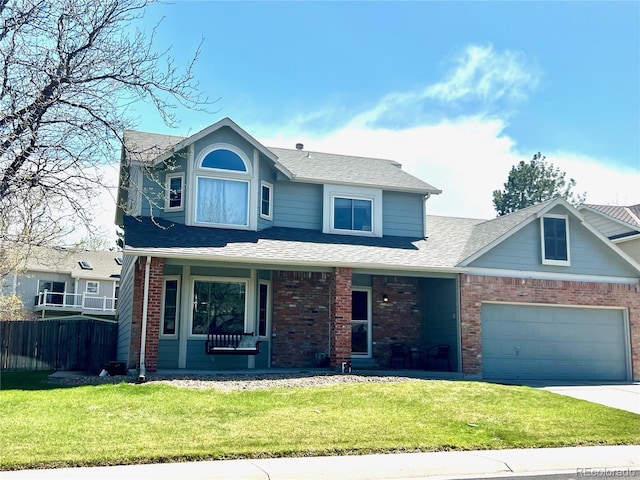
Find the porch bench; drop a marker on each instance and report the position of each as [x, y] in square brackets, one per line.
[231, 344]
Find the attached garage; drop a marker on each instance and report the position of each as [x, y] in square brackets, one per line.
[536, 342]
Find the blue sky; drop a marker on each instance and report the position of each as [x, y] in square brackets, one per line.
[457, 92]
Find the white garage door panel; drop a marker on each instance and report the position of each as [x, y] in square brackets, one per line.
[559, 343]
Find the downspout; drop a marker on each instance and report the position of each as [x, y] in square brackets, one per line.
[143, 335]
[424, 215]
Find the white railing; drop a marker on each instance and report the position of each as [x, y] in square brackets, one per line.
[75, 301]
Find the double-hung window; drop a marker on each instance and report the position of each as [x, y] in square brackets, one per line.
[266, 200]
[93, 287]
[170, 304]
[555, 240]
[222, 187]
[174, 187]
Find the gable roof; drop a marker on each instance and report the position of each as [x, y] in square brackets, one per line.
[630, 216]
[67, 261]
[298, 165]
[452, 245]
[145, 147]
[317, 167]
[155, 148]
[485, 235]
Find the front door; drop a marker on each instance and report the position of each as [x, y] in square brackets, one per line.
[361, 322]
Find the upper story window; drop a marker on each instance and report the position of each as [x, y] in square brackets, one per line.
[222, 187]
[174, 187]
[555, 240]
[93, 287]
[352, 210]
[266, 202]
[352, 214]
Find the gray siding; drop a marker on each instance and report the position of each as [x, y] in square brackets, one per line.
[589, 255]
[267, 173]
[298, 205]
[402, 214]
[154, 197]
[631, 248]
[27, 285]
[224, 135]
[606, 226]
[125, 306]
[440, 315]
[167, 353]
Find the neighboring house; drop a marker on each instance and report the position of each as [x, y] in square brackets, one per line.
[60, 281]
[621, 225]
[292, 256]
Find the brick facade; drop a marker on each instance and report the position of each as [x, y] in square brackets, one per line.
[340, 333]
[474, 289]
[312, 316]
[301, 309]
[154, 308]
[399, 319]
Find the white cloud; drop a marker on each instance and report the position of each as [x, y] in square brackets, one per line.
[467, 157]
[487, 75]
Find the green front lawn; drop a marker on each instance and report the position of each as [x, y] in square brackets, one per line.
[128, 423]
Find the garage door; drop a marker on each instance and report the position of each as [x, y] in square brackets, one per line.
[553, 343]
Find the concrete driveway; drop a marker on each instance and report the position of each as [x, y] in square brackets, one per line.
[625, 396]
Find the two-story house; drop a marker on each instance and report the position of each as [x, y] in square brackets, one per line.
[67, 281]
[241, 256]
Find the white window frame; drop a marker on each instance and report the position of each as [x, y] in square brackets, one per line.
[268, 310]
[545, 260]
[93, 283]
[356, 193]
[221, 174]
[167, 196]
[268, 186]
[194, 279]
[169, 278]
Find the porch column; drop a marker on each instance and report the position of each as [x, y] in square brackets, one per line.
[154, 307]
[340, 350]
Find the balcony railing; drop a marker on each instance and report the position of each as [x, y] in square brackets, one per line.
[82, 302]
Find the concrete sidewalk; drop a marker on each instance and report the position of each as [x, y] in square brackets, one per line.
[600, 462]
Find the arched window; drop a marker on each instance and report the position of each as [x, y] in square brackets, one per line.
[222, 187]
[223, 159]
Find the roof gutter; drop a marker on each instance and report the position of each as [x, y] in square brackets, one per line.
[143, 335]
[296, 263]
[424, 214]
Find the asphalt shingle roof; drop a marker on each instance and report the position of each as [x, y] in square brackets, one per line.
[288, 246]
[145, 146]
[450, 241]
[305, 166]
[345, 169]
[66, 261]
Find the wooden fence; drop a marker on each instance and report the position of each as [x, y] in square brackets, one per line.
[80, 344]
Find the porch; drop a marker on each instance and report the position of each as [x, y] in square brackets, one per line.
[84, 303]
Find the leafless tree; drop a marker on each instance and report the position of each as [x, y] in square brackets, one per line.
[71, 71]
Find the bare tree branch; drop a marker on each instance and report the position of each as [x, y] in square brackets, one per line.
[70, 69]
